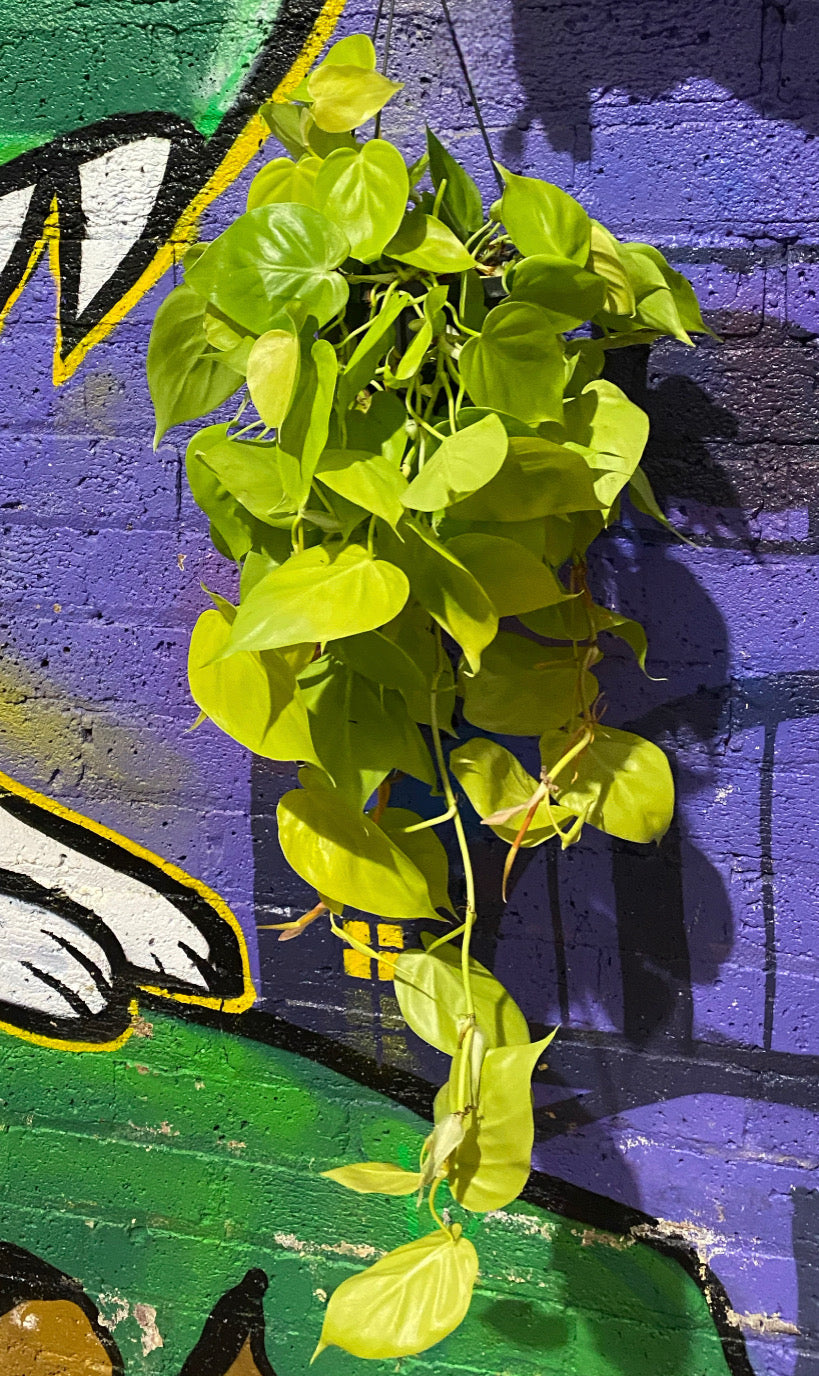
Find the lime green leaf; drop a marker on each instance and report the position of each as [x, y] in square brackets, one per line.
[186, 378]
[222, 333]
[370, 349]
[444, 588]
[246, 469]
[642, 497]
[686, 309]
[623, 780]
[233, 528]
[577, 620]
[360, 733]
[283, 180]
[413, 633]
[364, 191]
[317, 596]
[460, 206]
[462, 462]
[382, 428]
[606, 261]
[538, 478]
[516, 364]
[425, 242]
[253, 698]
[523, 688]
[541, 218]
[356, 50]
[328, 688]
[604, 419]
[272, 372]
[568, 293]
[424, 850]
[285, 124]
[513, 578]
[345, 95]
[492, 1164]
[413, 357]
[268, 257]
[306, 426]
[495, 781]
[381, 660]
[337, 850]
[375, 1177]
[430, 992]
[408, 1301]
[369, 480]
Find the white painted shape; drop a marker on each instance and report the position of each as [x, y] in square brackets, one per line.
[13, 211]
[118, 192]
[144, 922]
[29, 933]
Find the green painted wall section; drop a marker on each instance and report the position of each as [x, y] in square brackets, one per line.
[158, 1174]
[119, 57]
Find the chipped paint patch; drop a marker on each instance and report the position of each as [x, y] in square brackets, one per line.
[114, 1309]
[763, 1324]
[145, 1315]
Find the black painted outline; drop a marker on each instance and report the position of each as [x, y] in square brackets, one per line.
[224, 973]
[193, 158]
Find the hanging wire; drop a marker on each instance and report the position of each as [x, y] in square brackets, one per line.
[471, 89]
[385, 56]
[459, 52]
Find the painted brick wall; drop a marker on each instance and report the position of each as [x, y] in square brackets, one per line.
[680, 1111]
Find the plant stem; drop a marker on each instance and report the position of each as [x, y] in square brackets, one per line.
[452, 804]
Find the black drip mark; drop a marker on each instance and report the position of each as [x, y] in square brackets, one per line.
[766, 790]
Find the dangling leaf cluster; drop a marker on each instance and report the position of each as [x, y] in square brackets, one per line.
[424, 447]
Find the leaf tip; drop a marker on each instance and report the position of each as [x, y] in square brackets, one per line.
[321, 1345]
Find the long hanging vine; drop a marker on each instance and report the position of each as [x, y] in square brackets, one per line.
[423, 451]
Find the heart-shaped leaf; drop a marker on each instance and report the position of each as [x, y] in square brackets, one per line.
[430, 992]
[185, 376]
[272, 373]
[364, 191]
[514, 578]
[425, 242]
[523, 688]
[461, 463]
[252, 697]
[516, 363]
[339, 851]
[345, 96]
[623, 780]
[408, 1301]
[495, 782]
[269, 257]
[318, 596]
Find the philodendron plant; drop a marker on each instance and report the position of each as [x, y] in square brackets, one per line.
[423, 450]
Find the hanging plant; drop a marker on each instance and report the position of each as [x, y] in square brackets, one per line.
[424, 450]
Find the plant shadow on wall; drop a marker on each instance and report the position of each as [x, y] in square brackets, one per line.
[626, 52]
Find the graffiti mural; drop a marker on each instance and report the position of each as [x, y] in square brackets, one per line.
[162, 1204]
[194, 1149]
[119, 128]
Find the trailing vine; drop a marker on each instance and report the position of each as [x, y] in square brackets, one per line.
[423, 451]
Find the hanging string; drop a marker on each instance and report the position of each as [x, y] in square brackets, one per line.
[385, 56]
[461, 56]
[471, 89]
